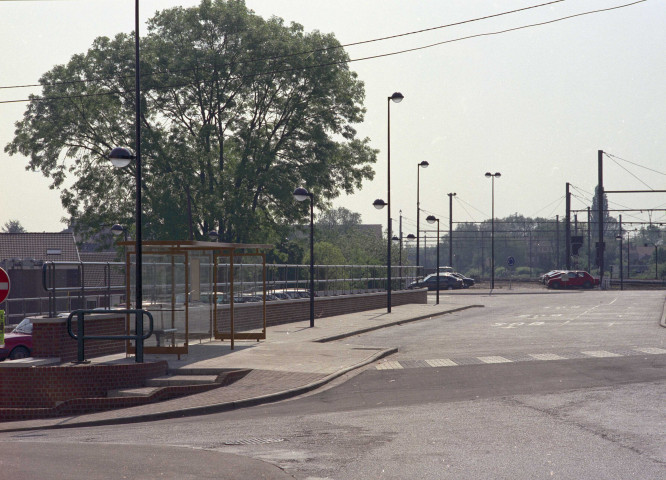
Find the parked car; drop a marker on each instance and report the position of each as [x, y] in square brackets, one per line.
[467, 282]
[18, 343]
[548, 275]
[572, 279]
[446, 282]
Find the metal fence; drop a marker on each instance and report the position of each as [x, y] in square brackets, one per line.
[70, 286]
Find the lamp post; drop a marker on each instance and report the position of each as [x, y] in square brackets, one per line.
[119, 229]
[492, 229]
[451, 195]
[421, 165]
[121, 157]
[300, 194]
[619, 237]
[214, 236]
[379, 204]
[433, 219]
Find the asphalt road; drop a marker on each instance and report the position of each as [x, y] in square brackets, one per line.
[564, 386]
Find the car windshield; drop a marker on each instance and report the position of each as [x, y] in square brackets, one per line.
[24, 327]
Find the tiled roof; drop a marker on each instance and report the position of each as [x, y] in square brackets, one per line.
[59, 247]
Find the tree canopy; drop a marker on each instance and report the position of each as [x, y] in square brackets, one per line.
[236, 112]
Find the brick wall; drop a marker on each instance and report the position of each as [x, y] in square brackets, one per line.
[45, 387]
[248, 316]
[50, 337]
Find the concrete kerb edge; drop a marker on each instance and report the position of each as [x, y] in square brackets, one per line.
[392, 324]
[215, 408]
[662, 322]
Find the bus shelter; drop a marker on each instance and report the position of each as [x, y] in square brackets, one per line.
[196, 290]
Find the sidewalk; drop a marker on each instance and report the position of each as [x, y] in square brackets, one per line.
[293, 360]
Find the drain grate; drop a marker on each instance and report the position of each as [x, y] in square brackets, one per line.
[254, 441]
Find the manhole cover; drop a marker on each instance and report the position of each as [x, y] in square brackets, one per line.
[254, 441]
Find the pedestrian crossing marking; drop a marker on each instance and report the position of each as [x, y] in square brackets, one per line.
[441, 362]
[389, 366]
[491, 359]
[651, 351]
[546, 356]
[601, 354]
[494, 359]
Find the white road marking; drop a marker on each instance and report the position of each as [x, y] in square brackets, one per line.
[441, 362]
[494, 359]
[651, 351]
[600, 354]
[546, 356]
[389, 366]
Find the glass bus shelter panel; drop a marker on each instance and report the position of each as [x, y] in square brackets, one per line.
[203, 294]
[241, 312]
[166, 280]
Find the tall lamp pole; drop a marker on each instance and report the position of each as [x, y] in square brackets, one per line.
[379, 204]
[492, 229]
[423, 164]
[121, 157]
[451, 195]
[433, 219]
[301, 194]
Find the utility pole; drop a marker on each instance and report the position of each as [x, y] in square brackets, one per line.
[567, 229]
[600, 219]
[621, 274]
[451, 195]
[557, 240]
[589, 238]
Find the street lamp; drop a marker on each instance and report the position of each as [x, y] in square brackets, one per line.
[213, 235]
[421, 165]
[451, 195]
[492, 229]
[121, 157]
[118, 230]
[379, 204]
[300, 194]
[433, 219]
[619, 237]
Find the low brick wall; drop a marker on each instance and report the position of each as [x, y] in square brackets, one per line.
[45, 387]
[248, 316]
[50, 338]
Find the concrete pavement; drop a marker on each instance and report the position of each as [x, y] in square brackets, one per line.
[293, 360]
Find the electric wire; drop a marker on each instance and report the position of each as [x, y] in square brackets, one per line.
[371, 57]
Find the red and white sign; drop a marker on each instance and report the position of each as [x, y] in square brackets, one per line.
[4, 285]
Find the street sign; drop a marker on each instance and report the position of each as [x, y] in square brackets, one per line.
[4, 285]
[511, 261]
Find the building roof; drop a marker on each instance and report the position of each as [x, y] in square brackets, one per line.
[40, 247]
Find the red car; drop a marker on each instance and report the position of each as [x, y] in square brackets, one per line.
[18, 344]
[572, 279]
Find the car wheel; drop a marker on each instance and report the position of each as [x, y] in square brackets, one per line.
[19, 352]
[450, 287]
[587, 285]
[556, 285]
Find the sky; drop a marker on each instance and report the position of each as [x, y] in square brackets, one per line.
[535, 104]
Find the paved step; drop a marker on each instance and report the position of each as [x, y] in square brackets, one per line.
[132, 392]
[181, 380]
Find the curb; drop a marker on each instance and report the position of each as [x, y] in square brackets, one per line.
[662, 322]
[392, 324]
[215, 408]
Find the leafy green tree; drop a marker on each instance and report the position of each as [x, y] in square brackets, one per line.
[236, 112]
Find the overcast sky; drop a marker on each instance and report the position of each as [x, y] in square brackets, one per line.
[534, 104]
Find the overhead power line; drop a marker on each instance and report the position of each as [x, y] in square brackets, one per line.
[371, 57]
[319, 50]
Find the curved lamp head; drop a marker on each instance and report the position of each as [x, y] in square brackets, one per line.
[411, 236]
[120, 157]
[301, 194]
[424, 164]
[395, 238]
[452, 194]
[379, 204]
[496, 174]
[213, 235]
[397, 97]
[117, 229]
[431, 219]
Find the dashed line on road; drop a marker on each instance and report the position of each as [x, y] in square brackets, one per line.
[459, 361]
